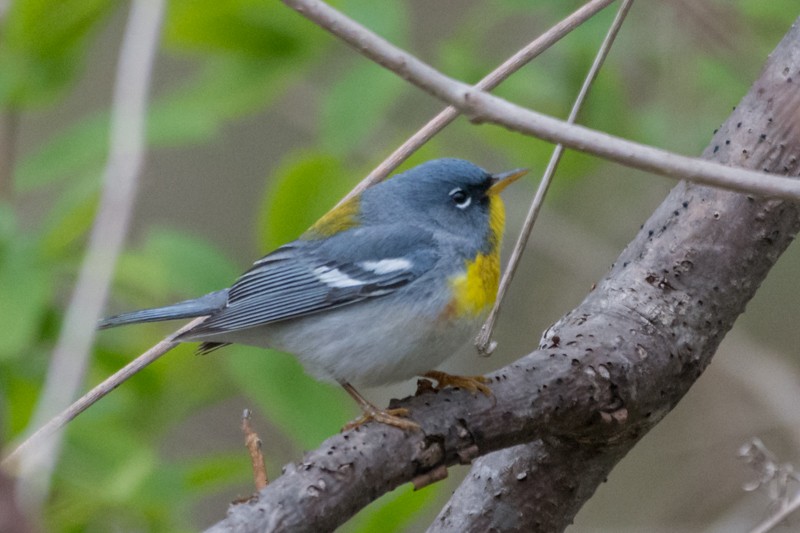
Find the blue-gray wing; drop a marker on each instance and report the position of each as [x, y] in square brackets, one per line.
[306, 277]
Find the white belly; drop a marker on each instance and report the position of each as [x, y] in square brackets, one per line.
[360, 343]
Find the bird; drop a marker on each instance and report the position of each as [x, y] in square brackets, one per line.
[383, 287]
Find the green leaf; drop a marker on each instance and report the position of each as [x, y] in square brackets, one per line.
[27, 289]
[20, 395]
[69, 221]
[394, 511]
[193, 113]
[141, 280]
[80, 148]
[210, 473]
[255, 28]
[770, 17]
[43, 44]
[8, 224]
[390, 20]
[131, 475]
[112, 473]
[226, 89]
[307, 410]
[192, 263]
[302, 189]
[171, 263]
[356, 105]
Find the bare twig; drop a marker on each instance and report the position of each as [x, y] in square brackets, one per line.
[483, 107]
[11, 461]
[780, 516]
[773, 476]
[253, 444]
[484, 342]
[126, 157]
[492, 80]
[71, 354]
[635, 345]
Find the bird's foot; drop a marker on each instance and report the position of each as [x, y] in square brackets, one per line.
[391, 417]
[472, 384]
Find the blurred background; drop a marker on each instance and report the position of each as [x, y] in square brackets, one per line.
[258, 123]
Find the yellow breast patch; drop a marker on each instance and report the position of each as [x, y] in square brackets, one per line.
[475, 290]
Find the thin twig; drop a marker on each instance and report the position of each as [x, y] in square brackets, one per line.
[253, 444]
[773, 476]
[126, 157]
[484, 342]
[779, 516]
[11, 461]
[492, 80]
[621, 349]
[484, 107]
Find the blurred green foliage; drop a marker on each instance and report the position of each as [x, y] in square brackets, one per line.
[121, 467]
[43, 42]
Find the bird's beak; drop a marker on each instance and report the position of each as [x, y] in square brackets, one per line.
[504, 179]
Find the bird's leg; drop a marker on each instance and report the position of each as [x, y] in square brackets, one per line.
[471, 383]
[391, 417]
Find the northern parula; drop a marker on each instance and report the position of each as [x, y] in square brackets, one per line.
[382, 288]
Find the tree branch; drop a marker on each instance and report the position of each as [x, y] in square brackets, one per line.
[603, 375]
[99, 391]
[483, 107]
[492, 80]
[508, 67]
[483, 342]
[746, 231]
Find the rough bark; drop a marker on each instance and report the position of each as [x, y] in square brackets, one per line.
[701, 255]
[602, 377]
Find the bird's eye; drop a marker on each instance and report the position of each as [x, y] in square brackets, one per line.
[460, 198]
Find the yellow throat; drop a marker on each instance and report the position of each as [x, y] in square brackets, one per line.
[475, 289]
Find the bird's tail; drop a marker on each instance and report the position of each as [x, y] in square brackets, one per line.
[205, 305]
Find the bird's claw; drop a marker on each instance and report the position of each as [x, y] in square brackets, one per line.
[390, 417]
[472, 384]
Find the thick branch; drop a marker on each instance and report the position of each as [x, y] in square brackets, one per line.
[603, 376]
[698, 229]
